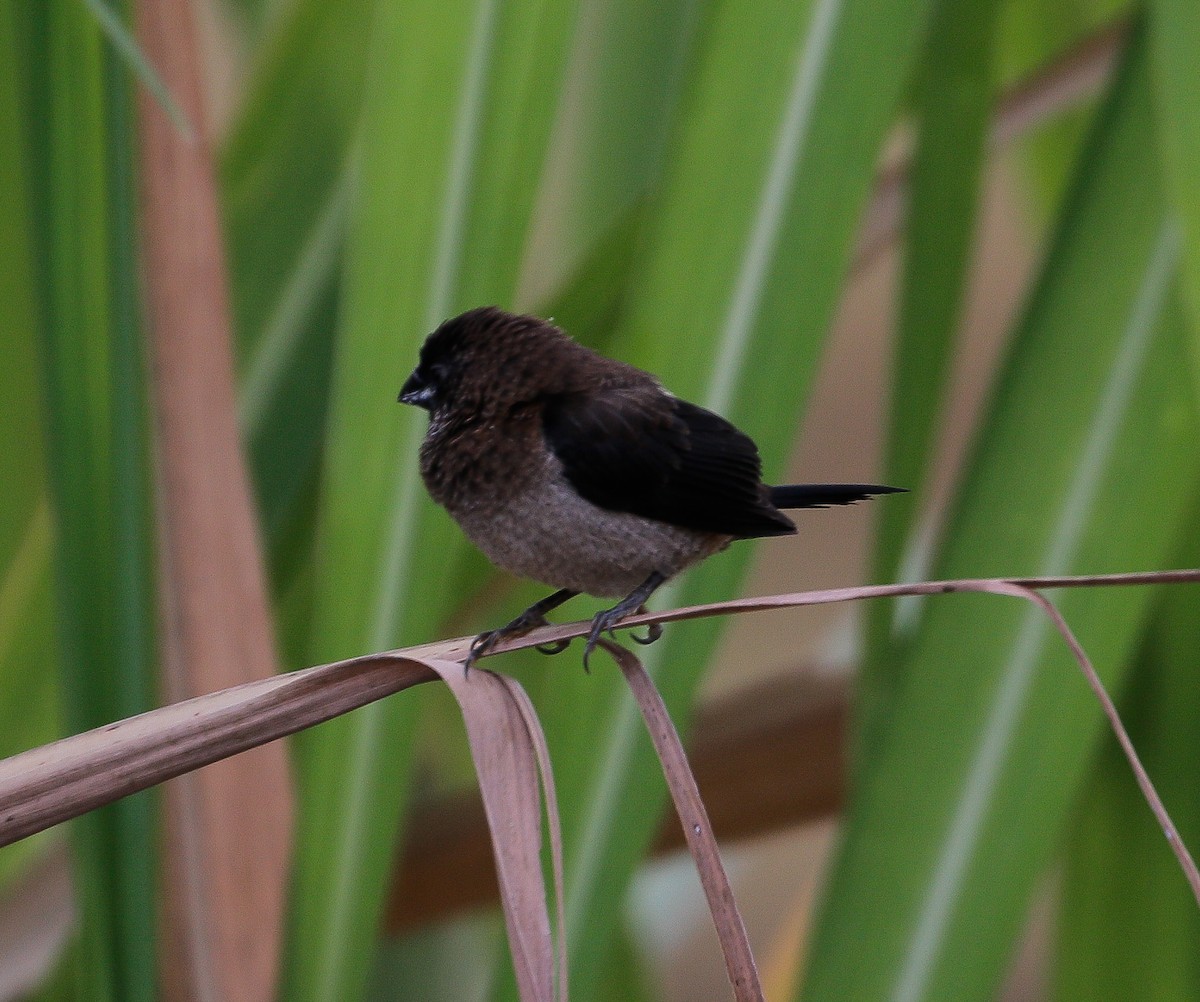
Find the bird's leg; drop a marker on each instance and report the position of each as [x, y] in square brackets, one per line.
[605, 621]
[531, 618]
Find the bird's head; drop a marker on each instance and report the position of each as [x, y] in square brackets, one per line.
[484, 358]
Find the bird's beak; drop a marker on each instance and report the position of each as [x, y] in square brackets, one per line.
[417, 392]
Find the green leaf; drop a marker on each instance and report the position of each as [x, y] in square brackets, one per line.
[28, 689]
[954, 102]
[1092, 427]
[729, 304]
[78, 106]
[456, 126]
[1128, 922]
[1175, 48]
[449, 963]
[588, 304]
[1035, 34]
[131, 54]
[286, 191]
[620, 100]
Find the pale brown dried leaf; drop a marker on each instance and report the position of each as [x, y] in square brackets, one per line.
[47, 785]
[768, 757]
[553, 821]
[702, 843]
[501, 732]
[228, 828]
[56, 782]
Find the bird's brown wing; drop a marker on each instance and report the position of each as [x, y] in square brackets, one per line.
[642, 451]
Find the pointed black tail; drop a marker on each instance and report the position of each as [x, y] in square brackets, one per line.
[824, 495]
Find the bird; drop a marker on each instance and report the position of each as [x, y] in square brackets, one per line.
[583, 472]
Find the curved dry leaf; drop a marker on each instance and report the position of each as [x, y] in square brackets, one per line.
[51, 784]
[553, 823]
[59, 781]
[702, 843]
[56, 782]
[228, 829]
[509, 766]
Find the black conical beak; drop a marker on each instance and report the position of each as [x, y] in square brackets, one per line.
[417, 391]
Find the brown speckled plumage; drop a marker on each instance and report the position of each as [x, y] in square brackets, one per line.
[486, 462]
[583, 472]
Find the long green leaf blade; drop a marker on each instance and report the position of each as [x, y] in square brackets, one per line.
[1175, 47]
[286, 187]
[1128, 923]
[620, 100]
[954, 102]
[130, 52]
[81, 180]
[978, 766]
[454, 137]
[740, 278]
[28, 699]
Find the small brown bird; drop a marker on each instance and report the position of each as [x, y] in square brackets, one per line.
[567, 467]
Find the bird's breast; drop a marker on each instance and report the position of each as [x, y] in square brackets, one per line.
[544, 530]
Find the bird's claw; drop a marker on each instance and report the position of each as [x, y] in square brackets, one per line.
[483, 644]
[603, 623]
[608, 620]
[480, 646]
[653, 632]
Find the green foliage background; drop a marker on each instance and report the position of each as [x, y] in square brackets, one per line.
[682, 183]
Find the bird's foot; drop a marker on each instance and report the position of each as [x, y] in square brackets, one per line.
[606, 621]
[530, 619]
[484, 643]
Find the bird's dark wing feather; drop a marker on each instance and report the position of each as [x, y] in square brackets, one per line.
[824, 495]
[641, 451]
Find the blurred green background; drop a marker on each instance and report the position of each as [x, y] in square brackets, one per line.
[955, 243]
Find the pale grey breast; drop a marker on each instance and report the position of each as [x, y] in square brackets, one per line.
[549, 533]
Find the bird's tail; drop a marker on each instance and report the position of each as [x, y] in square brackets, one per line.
[824, 495]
